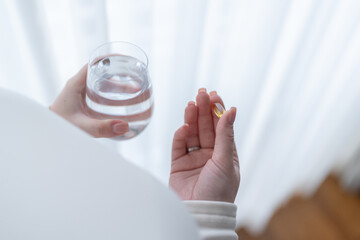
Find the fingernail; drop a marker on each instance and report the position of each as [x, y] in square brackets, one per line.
[212, 93]
[202, 90]
[218, 109]
[120, 128]
[191, 103]
[232, 115]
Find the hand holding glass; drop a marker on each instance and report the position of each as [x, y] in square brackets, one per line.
[118, 86]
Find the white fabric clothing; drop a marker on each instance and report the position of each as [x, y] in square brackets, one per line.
[216, 220]
[56, 182]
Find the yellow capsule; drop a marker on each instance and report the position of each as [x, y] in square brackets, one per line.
[218, 109]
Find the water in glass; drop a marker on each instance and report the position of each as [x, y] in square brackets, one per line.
[118, 87]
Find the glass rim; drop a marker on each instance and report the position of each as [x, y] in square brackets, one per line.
[120, 42]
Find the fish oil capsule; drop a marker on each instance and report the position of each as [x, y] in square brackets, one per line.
[218, 109]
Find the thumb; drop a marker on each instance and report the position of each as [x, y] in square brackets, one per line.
[104, 128]
[224, 141]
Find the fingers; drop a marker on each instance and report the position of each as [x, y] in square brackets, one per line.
[179, 146]
[191, 118]
[78, 82]
[103, 128]
[205, 120]
[224, 143]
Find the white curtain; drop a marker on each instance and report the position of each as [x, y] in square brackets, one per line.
[292, 68]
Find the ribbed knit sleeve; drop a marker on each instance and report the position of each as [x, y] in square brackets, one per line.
[216, 220]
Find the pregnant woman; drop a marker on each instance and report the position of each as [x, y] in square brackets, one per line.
[204, 165]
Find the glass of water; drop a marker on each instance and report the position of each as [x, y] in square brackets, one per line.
[118, 86]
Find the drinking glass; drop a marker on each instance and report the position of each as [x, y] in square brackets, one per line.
[118, 86]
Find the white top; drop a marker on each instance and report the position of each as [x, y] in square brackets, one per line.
[56, 182]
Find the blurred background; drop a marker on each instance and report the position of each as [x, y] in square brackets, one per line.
[292, 69]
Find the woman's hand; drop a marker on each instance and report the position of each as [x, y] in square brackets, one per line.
[71, 106]
[212, 171]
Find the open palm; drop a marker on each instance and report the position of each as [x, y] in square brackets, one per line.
[212, 171]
